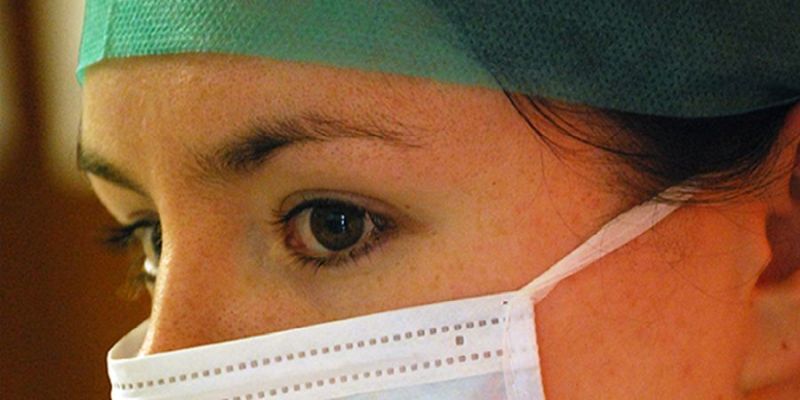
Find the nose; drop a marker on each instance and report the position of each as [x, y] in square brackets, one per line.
[211, 288]
[192, 304]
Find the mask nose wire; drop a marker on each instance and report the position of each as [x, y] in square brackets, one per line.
[613, 235]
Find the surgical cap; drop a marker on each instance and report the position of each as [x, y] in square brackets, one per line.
[680, 58]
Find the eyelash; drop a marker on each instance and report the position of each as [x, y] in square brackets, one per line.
[383, 227]
[121, 238]
[138, 279]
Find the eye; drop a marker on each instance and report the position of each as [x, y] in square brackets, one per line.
[142, 274]
[150, 237]
[332, 232]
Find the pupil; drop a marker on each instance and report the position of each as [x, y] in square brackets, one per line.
[337, 227]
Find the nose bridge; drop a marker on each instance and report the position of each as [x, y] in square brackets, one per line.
[196, 292]
[214, 285]
[180, 315]
[199, 292]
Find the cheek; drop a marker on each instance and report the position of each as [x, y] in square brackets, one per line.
[654, 310]
[491, 249]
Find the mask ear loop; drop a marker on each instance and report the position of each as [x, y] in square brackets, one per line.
[612, 236]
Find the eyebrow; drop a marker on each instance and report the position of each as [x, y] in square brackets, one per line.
[94, 164]
[253, 147]
[256, 145]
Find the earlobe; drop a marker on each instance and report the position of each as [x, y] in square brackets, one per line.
[773, 361]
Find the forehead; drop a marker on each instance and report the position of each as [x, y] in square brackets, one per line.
[169, 109]
[202, 98]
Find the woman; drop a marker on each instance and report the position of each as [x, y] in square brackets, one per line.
[285, 166]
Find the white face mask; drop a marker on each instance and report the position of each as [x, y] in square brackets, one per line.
[478, 348]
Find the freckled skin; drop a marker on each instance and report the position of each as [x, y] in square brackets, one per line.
[481, 207]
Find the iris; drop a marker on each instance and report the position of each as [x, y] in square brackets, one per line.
[337, 226]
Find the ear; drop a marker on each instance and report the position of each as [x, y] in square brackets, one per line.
[773, 362]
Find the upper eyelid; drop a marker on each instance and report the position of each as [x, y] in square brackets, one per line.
[125, 235]
[369, 204]
[133, 227]
[142, 216]
[316, 202]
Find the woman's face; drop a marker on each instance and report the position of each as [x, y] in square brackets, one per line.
[274, 195]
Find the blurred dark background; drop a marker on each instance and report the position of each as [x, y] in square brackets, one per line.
[58, 303]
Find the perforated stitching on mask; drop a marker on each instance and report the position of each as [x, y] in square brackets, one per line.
[337, 348]
[379, 373]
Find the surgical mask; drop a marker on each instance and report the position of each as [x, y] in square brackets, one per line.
[476, 348]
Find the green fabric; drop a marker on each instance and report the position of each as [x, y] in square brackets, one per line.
[401, 38]
[683, 58]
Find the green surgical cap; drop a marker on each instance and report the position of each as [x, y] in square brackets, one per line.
[681, 58]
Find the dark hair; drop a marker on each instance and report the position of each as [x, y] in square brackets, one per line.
[724, 156]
